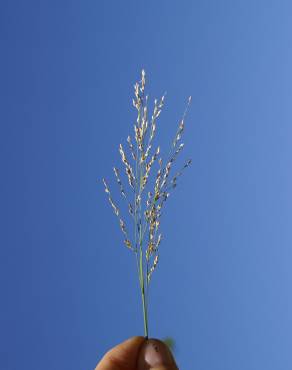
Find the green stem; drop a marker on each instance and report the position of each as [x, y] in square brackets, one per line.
[144, 304]
[145, 316]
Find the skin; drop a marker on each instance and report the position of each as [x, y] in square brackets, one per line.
[137, 353]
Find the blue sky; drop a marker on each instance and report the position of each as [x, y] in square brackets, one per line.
[69, 289]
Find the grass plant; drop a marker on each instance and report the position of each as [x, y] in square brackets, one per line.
[146, 200]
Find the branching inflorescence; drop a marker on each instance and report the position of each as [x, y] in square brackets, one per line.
[145, 207]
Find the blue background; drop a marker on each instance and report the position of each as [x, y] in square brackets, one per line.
[69, 289]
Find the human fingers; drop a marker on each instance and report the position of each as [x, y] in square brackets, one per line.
[155, 355]
[122, 357]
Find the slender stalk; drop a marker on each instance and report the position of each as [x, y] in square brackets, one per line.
[144, 303]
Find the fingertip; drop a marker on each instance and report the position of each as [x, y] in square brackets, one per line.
[122, 356]
[154, 354]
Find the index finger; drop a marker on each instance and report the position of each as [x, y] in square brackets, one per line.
[122, 357]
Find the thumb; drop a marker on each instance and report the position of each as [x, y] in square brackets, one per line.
[122, 357]
[155, 355]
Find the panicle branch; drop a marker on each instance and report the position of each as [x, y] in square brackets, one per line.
[117, 213]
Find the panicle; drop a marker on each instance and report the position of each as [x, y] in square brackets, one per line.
[147, 216]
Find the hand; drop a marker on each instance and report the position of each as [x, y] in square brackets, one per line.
[137, 353]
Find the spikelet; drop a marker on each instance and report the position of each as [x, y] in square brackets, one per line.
[137, 102]
[179, 173]
[155, 262]
[130, 209]
[143, 81]
[116, 172]
[153, 247]
[149, 199]
[181, 125]
[106, 189]
[156, 113]
[158, 241]
[129, 170]
[144, 123]
[139, 137]
[167, 168]
[128, 243]
[122, 190]
[148, 167]
[149, 250]
[131, 147]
